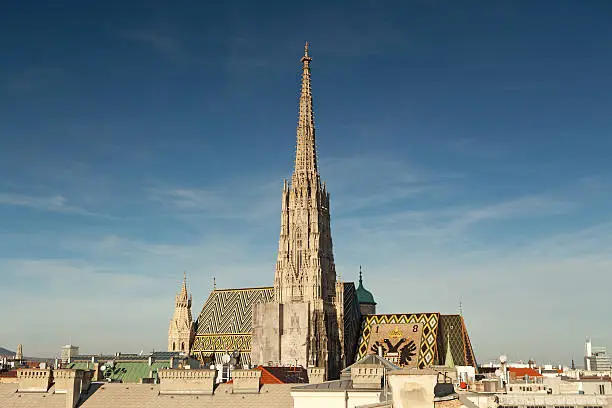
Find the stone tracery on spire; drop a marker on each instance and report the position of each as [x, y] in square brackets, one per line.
[306, 155]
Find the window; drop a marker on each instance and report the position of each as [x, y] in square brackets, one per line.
[173, 346]
[183, 346]
[602, 389]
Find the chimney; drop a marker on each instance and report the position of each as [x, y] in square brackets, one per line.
[33, 380]
[316, 375]
[246, 381]
[367, 375]
[69, 381]
[197, 381]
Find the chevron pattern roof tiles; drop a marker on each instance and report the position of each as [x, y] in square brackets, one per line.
[230, 311]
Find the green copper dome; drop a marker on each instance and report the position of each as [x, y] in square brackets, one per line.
[364, 296]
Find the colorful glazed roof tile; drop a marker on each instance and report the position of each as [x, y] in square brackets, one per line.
[230, 311]
[437, 331]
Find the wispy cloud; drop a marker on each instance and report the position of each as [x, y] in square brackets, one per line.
[55, 203]
[379, 180]
[248, 199]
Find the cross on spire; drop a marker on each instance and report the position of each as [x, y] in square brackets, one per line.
[360, 275]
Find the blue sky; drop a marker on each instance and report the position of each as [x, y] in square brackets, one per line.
[466, 147]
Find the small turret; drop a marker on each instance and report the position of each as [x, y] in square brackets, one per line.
[181, 331]
[367, 305]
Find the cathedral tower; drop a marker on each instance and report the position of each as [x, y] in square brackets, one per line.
[305, 269]
[308, 301]
[181, 331]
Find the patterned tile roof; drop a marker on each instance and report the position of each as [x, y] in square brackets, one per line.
[437, 331]
[230, 311]
[452, 327]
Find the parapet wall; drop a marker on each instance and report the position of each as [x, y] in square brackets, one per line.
[33, 379]
[192, 381]
[246, 381]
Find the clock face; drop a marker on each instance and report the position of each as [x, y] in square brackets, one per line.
[400, 343]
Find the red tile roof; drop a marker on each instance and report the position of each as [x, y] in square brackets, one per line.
[521, 372]
[281, 375]
[8, 374]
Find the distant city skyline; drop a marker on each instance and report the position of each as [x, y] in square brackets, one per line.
[465, 148]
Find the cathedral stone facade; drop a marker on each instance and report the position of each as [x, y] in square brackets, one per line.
[309, 317]
[181, 331]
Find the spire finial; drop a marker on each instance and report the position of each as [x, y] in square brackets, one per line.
[306, 58]
[214, 283]
[360, 276]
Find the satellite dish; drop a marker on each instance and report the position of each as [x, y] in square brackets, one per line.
[498, 373]
[503, 359]
[225, 358]
[212, 366]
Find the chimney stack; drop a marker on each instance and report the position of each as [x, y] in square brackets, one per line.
[316, 375]
[69, 381]
[367, 376]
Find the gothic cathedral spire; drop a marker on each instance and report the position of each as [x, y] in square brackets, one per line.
[181, 331]
[305, 269]
[306, 154]
[305, 277]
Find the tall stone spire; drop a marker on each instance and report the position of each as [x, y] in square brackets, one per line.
[308, 301]
[306, 154]
[305, 270]
[181, 331]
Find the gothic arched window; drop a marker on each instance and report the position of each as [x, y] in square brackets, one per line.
[173, 346]
[298, 247]
[183, 346]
